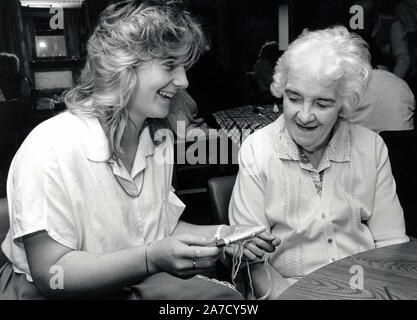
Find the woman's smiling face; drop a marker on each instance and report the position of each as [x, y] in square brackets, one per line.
[157, 83]
[310, 108]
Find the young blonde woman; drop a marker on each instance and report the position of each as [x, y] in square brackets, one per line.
[92, 211]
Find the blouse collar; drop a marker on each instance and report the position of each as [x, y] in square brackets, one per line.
[97, 146]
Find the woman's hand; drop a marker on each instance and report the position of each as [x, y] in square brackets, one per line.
[254, 248]
[182, 256]
[264, 242]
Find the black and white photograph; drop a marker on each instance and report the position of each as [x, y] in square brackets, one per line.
[210, 156]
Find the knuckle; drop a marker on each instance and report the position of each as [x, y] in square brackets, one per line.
[256, 240]
[249, 255]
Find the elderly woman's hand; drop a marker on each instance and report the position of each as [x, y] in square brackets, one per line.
[254, 248]
[264, 242]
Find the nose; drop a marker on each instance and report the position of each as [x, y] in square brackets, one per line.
[306, 115]
[180, 78]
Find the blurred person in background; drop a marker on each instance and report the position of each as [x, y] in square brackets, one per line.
[388, 104]
[13, 84]
[389, 35]
[263, 68]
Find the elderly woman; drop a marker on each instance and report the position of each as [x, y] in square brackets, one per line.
[320, 183]
[92, 210]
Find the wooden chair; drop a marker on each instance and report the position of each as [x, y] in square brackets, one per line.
[220, 190]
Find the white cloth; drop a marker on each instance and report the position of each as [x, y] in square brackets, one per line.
[388, 105]
[61, 181]
[358, 209]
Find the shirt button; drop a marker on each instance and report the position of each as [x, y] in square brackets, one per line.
[323, 216]
[329, 240]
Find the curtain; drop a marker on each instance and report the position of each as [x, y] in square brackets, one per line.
[93, 8]
[74, 33]
[12, 31]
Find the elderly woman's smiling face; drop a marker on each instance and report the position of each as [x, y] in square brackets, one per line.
[311, 108]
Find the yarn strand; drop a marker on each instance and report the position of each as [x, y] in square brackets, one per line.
[237, 262]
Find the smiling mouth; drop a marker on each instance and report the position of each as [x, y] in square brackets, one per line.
[305, 128]
[166, 95]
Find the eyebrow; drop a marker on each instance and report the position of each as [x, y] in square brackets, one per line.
[177, 60]
[290, 91]
[326, 100]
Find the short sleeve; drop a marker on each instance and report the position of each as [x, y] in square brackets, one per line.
[387, 220]
[38, 194]
[173, 208]
[247, 204]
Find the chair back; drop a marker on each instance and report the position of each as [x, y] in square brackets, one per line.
[4, 227]
[402, 151]
[220, 190]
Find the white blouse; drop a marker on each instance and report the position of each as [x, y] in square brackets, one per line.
[62, 181]
[358, 208]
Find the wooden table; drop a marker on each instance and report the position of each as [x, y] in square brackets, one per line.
[389, 273]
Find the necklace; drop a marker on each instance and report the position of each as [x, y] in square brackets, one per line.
[130, 193]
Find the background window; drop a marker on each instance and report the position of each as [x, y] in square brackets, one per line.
[50, 46]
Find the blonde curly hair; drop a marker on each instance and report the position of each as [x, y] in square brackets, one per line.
[128, 34]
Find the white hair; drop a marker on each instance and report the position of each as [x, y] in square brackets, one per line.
[343, 58]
